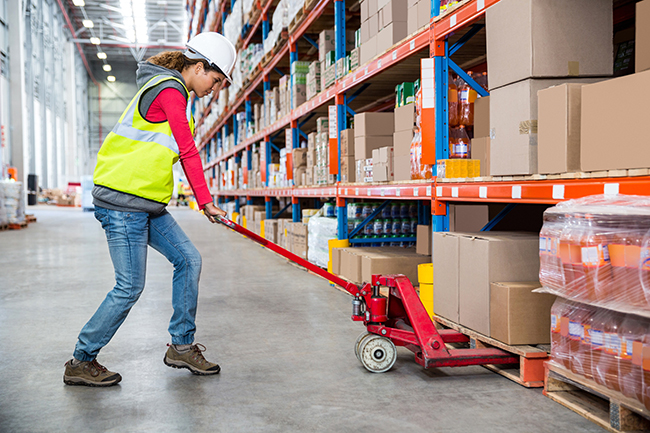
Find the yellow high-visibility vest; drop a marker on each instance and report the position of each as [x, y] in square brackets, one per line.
[137, 155]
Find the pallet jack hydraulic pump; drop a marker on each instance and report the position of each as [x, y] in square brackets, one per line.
[397, 320]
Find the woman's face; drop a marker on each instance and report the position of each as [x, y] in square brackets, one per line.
[206, 82]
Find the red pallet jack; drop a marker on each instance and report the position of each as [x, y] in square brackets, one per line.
[397, 320]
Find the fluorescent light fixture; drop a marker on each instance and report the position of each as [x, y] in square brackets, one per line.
[79, 3]
[107, 68]
[88, 24]
[95, 41]
[134, 17]
[110, 78]
[101, 55]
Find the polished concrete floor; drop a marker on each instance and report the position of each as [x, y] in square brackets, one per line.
[283, 338]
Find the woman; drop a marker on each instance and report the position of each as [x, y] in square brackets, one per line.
[133, 185]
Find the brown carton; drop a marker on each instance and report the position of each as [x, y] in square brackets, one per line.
[350, 267]
[481, 151]
[490, 257]
[468, 217]
[336, 261]
[364, 11]
[519, 316]
[482, 117]
[368, 50]
[347, 142]
[548, 38]
[613, 113]
[402, 142]
[395, 11]
[424, 13]
[423, 244]
[364, 145]
[392, 262]
[642, 42]
[402, 167]
[446, 296]
[373, 25]
[390, 35]
[299, 158]
[558, 140]
[405, 117]
[348, 169]
[412, 19]
[373, 124]
[271, 230]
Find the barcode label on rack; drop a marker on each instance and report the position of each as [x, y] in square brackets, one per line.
[397, 192]
[354, 78]
[611, 189]
[356, 191]
[365, 72]
[382, 192]
[558, 192]
[482, 191]
[516, 191]
[369, 193]
[412, 45]
[346, 191]
[454, 191]
[395, 55]
[379, 64]
[480, 5]
[452, 20]
[416, 191]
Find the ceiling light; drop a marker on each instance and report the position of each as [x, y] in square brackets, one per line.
[101, 55]
[110, 78]
[134, 17]
[107, 68]
[88, 24]
[95, 41]
[79, 3]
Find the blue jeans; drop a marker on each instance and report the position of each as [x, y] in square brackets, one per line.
[128, 235]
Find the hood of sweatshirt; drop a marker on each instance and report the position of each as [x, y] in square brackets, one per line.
[146, 71]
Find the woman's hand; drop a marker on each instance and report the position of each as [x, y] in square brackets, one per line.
[211, 212]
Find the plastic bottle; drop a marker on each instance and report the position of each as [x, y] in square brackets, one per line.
[630, 376]
[617, 243]
[454, 107]
[566, 238]
[644, 266]
[595, 260]
[646, 369]
[585, 350]
[388, 227]
[413, 210]
[577, 319]
[460, 144]
[378, 227]
[560, 352]
[466, 98]
[394, 210]
[386, 212]
[634, 285]
[613, 350]
[404, 210]
[599, 358]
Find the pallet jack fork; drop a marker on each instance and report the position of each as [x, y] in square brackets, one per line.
[397, 320]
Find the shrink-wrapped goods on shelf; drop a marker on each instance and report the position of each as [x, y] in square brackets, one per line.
[234, 22]
[247, 7]
[14, 201]
[321, 230]
[293, 7]
[604, 347]
[3, 210]
[596, 250]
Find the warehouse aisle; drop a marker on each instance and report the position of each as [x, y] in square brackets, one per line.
[283, 338]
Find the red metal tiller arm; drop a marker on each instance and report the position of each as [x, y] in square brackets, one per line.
[400, 320]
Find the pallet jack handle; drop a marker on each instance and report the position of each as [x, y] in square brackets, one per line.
[351, 288]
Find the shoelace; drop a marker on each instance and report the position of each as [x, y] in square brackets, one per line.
[198, 356]
[97, 366]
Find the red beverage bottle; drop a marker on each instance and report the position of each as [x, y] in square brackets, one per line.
[598, 356]
[630, 374]
[585, 350]
[466, 98]
[566, 236]
[577, 321]
[634, 286]
[560, 351]
[460, 144]
[454, 107]
[595, 260]
[613, 351]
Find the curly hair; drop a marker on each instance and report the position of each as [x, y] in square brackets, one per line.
[178, 61]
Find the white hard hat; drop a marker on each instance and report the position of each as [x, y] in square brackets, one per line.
[215, 48]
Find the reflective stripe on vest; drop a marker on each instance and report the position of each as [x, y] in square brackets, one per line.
[137, 155]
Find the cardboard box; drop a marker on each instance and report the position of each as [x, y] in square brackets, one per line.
[395, 11]
[482, 117]
[613, 115]
[402, 142]
[373, 7]
[364, 11]
[298, 176]
[513, 125]
[368, 50]
[412, 19]
[424, 13]
[350, 267]
[392, 262]
[481, 151]
[382, 173]
[271, 230]
[390, 35]
[365, 32]
[364, 145]
[383, 155]
[348, 169]
[336, 261]
[411, 3]
[405, 117]
[519, 316]
[490, 257]
[373, 124]
[402, 167]
[326, 43]
[373, 25]
[260, 215]
[347, 142]
[299, 157]
[548, 38]
[468, 217]
[642, 42]
[423, 243]
[558, 140]
[446, 296]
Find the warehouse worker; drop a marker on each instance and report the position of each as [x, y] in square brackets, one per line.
[133, 184]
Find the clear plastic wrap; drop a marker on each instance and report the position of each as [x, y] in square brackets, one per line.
[321, 230]
[14, 201]
[596, 250]
[3, 210]
[610, 348]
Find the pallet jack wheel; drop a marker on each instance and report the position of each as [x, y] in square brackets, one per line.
[378, 354]
[357, 345]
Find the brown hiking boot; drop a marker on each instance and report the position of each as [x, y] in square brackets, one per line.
[192, 359]
[89, 373]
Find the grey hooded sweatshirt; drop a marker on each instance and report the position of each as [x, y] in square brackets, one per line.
[121, 201]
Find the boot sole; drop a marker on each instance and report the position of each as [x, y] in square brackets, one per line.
[193, 370]
[74, 381]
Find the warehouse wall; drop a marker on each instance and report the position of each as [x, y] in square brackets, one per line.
[46, 111]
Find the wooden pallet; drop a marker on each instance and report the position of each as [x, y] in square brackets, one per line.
[310, 5]
[30, 219]
[297, 20]
[4, 227]
[17, 226]
[529, 373]
[609, 409]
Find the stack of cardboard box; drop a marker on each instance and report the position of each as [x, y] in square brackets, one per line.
[371, 131]
[346, 145]
[297, 238]
[299, 160]
[528, 51]
[321, 171]
[299, 71]
[418, 15]
[359, 264]
[383, 24]
[402, 137]
[382, 164]
[310, 178]
[313, 79]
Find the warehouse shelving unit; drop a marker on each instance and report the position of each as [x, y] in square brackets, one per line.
[439, 40]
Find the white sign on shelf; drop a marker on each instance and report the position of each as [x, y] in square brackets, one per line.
[395, 55]
[482, 191]
[480, 5]
[412, 45]
[379, 64]
[438, 191]
[454, 191]
[416, 191]
[397, 192]
[516, 191]
[365, 72]
[356, 191]
[346, 191]
[369, 193]
[558, 192]
[452, 20]
[611, 189]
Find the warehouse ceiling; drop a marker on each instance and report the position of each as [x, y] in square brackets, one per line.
[127, 31]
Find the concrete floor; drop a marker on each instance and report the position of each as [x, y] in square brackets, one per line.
[283, 338]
